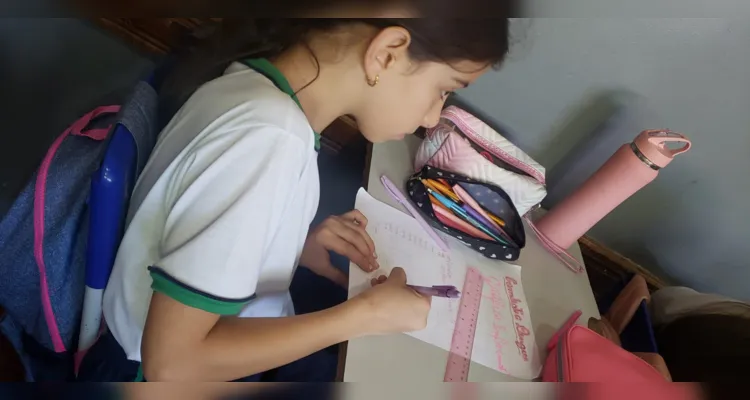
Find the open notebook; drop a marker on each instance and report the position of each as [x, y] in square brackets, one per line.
[504, 338]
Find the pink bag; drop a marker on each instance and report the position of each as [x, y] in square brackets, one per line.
[464, 144]
[578, 354]
[582, 355]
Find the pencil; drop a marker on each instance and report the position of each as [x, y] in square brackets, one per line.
[444, 190]
[495, 218]
[435, 202]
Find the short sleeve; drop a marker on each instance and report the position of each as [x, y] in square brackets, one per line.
[225, 200]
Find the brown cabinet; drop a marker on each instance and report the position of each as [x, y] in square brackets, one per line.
[161, 35]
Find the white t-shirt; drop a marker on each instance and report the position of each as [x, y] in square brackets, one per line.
[221, 211]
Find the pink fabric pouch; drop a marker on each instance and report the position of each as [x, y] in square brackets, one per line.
[464, 144]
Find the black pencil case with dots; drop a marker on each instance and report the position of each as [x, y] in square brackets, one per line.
[490, 197]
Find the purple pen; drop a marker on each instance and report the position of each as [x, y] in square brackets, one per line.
[437, 291]
[399, 197]
[479, 217]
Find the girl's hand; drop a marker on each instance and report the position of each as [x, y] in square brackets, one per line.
[393, 307]
[345, 235]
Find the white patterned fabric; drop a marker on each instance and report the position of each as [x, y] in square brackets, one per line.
[464, 144]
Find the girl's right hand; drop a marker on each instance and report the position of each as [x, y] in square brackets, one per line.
[393, 307]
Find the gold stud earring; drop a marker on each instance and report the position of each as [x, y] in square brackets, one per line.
[373, 82]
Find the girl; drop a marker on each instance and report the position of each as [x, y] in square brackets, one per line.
[219, 218]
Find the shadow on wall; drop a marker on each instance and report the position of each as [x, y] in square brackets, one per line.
[638, 236]
[586, 137]
[53, 71]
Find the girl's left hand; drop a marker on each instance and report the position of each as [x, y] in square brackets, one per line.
[345, 235]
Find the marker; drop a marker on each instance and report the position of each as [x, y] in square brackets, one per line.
[450, 219]
[458, 210]
[437, 291]
[440, 188]
[399, 197]
[468, 200]
[436, 203]
[479, 213]
[477, 216]
[496, 219]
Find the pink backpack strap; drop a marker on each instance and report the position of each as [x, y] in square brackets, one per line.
[569, 323]
[39, 202]
[566, 258]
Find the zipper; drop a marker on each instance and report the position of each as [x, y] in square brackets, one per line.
[560, 369]
[516, 243]
[482, 145]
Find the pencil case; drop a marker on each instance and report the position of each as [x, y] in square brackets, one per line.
[464, 144]
[491, 197]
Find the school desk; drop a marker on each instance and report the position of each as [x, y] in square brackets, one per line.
[553, 293]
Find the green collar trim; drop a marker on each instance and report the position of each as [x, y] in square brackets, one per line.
[139, 377]
[166, 284]
[265, 68]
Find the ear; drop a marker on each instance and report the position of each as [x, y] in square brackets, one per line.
[387, 49]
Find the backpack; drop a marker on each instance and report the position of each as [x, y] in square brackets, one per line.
[596, 355]
[43, 236]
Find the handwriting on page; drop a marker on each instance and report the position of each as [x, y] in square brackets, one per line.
[503, 341]
[496, 296]
[512, 346]
[398, 237]
[508, 318]
[518, 315]
[394, 237]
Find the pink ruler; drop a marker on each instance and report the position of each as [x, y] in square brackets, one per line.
[459, 359]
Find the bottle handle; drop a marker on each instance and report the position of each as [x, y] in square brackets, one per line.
[659, 137]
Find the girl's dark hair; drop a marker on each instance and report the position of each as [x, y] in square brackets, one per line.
[433, 39]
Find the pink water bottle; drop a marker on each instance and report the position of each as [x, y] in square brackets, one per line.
[632, 167]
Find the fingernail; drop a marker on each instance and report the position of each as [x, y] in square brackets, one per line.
[374, 254]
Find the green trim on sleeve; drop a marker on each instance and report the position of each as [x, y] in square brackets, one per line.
[166, 284]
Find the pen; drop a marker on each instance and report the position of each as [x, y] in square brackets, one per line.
[476, 211]
[496, 219]
[436, 203]
[450, 219]
[437, 291]
[399, 197]
[460, 211]
[467, 189]
[474, 214]
[468, 200]
[440, 188]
